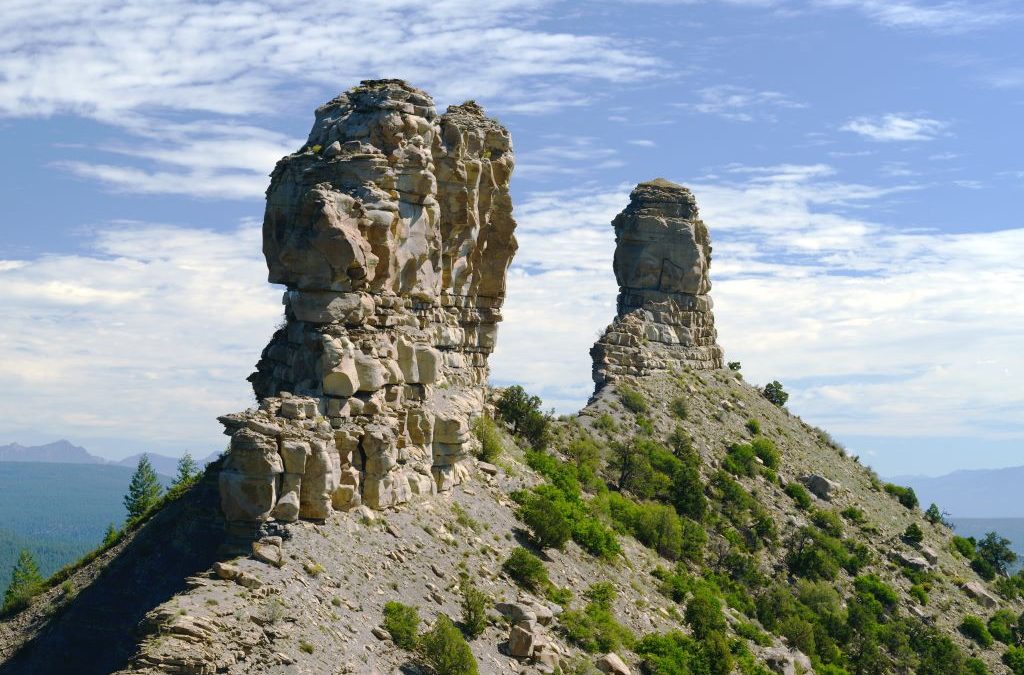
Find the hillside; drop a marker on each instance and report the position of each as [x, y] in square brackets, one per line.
[316, 610]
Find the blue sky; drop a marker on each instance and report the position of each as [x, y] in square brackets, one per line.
[859, 164]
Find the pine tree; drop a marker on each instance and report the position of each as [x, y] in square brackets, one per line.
[26, 581]
[187, 470]
[143, 491]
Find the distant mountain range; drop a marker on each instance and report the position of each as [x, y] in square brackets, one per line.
[65, 452]
[977, 493]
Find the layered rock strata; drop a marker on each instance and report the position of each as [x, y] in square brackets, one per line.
[392, 231]
[664, 318]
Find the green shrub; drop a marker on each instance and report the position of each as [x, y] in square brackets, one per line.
[1014, 660]
[774, 392]
[854, 515]
[753, 633]
[658, 527]
[973, 666]
[871, 585]
[446, 651]
[678, 654]
[933, 515]
[594, 628]
[474, 607]
[545, 515]
[828, 522]
[765, 449]
[403, 623]
[605, 422]
[633, 400]
[815, 555]
[490, 442]
[526, 569]
[734, 365]
[753, 426]
[585, 454]
[522, 412]
[704, 615]
[646, 426]
[739, 460]
[679, 408]
[904, 495]
[799, 494]
[918, 592]
[964, 547]
[1003, 626]
[306, 647]
[595, 538]
[974, 628]
[913, 534]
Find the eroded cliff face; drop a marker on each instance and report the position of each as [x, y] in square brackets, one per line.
[662, 259]
[392, 230]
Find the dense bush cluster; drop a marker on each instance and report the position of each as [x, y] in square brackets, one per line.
[402, 622]
[526, 569]
[904, 495]
[633, 400]
[594, 628]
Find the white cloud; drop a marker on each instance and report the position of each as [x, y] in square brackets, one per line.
[144, 338]
[140, 65]
[567, 155]
[896, 127]
[643, 143]
[739, 104]
[949, 16]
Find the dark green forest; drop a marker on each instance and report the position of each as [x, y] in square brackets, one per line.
[57, 511]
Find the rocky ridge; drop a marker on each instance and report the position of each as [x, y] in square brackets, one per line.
[392, 230]
[662, 263]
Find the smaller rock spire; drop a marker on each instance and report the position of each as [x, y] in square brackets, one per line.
[662, 259]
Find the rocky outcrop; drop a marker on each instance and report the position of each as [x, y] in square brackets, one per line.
[662, 258]
[392, 231]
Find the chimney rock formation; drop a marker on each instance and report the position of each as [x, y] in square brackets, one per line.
[392, 230]
[662, 258]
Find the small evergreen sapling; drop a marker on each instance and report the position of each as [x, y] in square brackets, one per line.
[143, 491]
[26, 581]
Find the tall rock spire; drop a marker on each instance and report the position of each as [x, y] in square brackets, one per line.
[662, 259]
[392, 230]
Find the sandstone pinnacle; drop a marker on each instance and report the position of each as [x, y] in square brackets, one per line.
[392, 230]
[662, 262]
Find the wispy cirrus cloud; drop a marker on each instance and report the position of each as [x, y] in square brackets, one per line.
[739, 104]
[951, 16]
[231, 64]
[896, 127]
